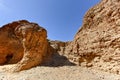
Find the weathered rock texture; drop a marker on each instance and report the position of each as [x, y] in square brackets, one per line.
[97, 43]
[23, 44]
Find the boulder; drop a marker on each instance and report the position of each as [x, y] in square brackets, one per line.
[23, 44]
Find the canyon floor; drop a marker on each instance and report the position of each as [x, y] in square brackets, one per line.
[59, 73]
[58, 68]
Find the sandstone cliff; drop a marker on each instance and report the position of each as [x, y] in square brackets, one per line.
[97, 42]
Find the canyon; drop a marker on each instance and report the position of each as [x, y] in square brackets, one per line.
[95, 49]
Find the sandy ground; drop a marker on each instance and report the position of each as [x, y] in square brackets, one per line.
[59, 73]
[59, 68]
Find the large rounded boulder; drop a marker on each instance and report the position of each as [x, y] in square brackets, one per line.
[23, 44]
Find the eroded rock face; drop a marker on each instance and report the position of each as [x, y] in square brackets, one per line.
[97, 43]
[23, 44]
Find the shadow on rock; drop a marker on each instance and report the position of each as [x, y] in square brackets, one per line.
[58, 60]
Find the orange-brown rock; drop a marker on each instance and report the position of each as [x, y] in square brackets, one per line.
[97, 43]
[22, 43]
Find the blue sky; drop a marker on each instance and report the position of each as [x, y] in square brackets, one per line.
[61, 18]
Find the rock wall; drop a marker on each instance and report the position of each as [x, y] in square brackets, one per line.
[97, 42]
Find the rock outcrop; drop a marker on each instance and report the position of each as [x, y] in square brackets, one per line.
[97, 43]
[23, 44]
